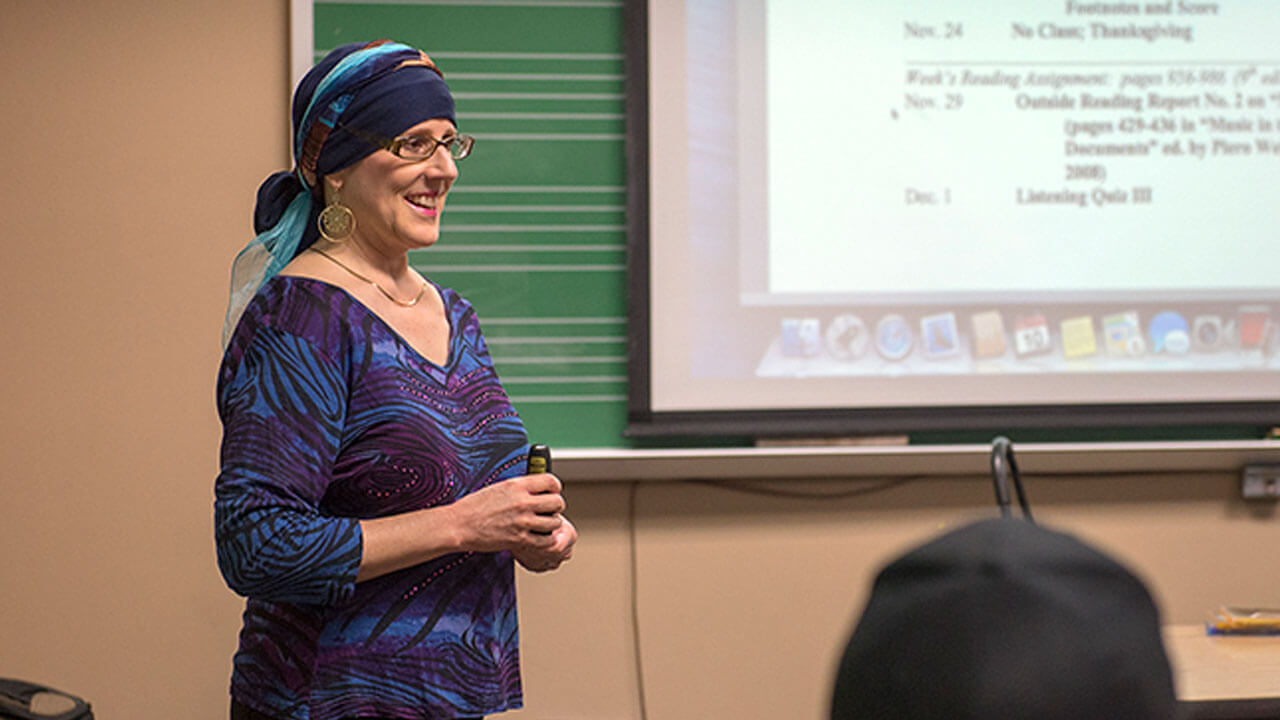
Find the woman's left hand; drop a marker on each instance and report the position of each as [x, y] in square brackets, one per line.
[543, 558]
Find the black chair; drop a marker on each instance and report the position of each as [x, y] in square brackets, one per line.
[20, 700]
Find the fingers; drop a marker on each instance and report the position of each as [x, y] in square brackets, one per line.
[543, 525]
[537, 564]
[541, 483]
[565, 536]
[547, 503]
[542, 560]
[550, 550]
[521, 512]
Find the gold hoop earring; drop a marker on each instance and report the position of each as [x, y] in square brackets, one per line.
[336, 222]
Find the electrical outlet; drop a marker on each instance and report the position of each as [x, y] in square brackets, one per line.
[1260, 482]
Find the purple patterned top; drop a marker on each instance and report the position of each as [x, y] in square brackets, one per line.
[328, 417]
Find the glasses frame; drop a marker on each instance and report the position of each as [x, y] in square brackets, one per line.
[464, 143]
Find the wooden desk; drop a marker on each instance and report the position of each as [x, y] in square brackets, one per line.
[1221, 677]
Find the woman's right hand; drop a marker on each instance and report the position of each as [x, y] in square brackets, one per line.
[521, 512]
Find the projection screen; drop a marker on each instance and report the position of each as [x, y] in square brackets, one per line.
[854, 216]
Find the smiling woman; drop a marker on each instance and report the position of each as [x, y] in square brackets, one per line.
[371, 502]
[399, 199]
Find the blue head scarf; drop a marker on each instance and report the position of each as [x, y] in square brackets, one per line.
[380, 89]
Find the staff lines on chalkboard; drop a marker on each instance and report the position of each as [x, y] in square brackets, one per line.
[584, 360]
[535, 208]
[561, 137]
[535, 349]
[535, 96]
[527, 56]
[451, 248]
[530, 268]
[555, 321]
[489, 3]
[527, 399]
[557, 379]
[565, 339]
[536, 189]
[479, 55]
[534, 228]
[538, 77]
[558, 97]
[539, 116]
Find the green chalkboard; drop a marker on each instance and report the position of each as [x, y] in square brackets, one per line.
[534, 231]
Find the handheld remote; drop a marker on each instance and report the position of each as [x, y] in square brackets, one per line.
[539, 460]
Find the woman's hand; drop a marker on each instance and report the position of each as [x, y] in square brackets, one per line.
[520, 513]
[540, 559]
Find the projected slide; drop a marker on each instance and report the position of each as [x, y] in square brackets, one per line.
[1064, 154]
[1116, 152]
[1052, 202]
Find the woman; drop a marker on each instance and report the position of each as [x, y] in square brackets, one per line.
[372, 496]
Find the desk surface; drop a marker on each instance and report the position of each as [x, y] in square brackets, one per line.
[1223, 668]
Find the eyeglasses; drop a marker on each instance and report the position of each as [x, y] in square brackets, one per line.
[418, 147]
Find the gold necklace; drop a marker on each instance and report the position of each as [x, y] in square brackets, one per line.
[387, 295]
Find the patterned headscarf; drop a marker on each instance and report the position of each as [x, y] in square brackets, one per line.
[381, 89]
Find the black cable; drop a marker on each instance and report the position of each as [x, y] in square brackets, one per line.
[1003, 469]
[1000, 456]
[744, 486]
[635, 597]
[1017, 486]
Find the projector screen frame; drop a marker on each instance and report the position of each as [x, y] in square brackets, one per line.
[645, 422]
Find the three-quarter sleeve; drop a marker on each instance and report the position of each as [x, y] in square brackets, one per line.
[283, 405]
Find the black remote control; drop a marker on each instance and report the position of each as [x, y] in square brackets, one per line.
[539, 460]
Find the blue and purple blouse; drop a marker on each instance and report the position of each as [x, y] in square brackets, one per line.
[329, 416]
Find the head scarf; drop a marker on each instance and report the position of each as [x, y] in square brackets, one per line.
[380, 89]
[1005, 619]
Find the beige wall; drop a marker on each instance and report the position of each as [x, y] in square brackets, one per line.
[745, 601]
[134, 135]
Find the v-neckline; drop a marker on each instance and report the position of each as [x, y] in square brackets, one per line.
[401, 339]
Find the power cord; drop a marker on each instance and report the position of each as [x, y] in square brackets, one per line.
[749, 488]
[635, 596]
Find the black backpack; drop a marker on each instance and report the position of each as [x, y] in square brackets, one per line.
[28, 701]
